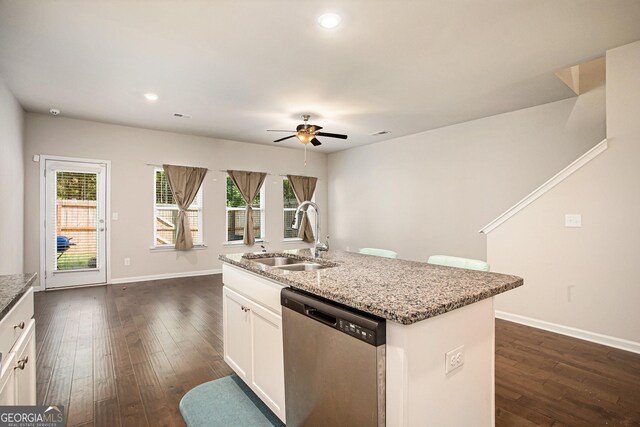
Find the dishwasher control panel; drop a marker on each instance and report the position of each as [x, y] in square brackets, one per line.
[356, 324]
[357, 331]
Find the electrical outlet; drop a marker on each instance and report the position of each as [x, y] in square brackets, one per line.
[454, 359]
[115, 216]
[573, 220]
[127, 261]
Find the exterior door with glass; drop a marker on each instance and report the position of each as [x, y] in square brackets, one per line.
[75, 223]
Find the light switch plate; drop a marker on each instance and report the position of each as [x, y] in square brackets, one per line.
[573, 220]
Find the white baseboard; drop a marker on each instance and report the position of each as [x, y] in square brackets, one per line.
[164, 276]
[607, 340]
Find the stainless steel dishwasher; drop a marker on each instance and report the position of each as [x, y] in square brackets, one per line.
[334, 363]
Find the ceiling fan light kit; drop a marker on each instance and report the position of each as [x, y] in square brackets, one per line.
[306, 134]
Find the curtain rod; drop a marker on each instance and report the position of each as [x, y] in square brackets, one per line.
[159, 166]
[226, 170]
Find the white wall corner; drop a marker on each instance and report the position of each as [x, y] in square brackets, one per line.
[538, 192]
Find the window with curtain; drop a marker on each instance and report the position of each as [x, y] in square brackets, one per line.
[290, 205]
[236, 212]
[165, 214]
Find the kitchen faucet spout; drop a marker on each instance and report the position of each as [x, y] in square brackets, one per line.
[317, 244]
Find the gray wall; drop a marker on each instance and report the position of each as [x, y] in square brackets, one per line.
[11, 183]
[586, 278]
[430, 193]
[129, 149]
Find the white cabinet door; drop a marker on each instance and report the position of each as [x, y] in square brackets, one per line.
[267, 378]
[25, 366]
[237, 333]
[7, 380]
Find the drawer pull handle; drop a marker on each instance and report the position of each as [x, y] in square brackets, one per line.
[22, 363]
[19, 325]
[245, 309]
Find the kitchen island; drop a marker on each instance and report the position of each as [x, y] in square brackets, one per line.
[430, 311]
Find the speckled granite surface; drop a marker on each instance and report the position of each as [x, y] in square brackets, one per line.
[402, 291]
[12, 287]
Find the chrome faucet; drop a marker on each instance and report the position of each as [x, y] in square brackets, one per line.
[317, 245]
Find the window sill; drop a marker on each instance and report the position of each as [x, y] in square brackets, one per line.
[241, 243]
[172, 248]
[293, 240]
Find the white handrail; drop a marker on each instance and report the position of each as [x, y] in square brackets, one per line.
[555, 180]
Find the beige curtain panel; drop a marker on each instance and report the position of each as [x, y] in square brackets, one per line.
[184, 183]
[303, 188]
[248, 184]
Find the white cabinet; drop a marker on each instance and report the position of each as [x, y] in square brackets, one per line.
[253, 335]
[25, 367]
[18, 348]
[8, 381]
[237, 334]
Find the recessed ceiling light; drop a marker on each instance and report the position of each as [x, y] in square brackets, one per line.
[329, 20]
[151, 96]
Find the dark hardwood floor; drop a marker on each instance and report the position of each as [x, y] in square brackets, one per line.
[124, 355]
[546, 379]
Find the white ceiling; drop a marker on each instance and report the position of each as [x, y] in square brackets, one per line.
[241, 67]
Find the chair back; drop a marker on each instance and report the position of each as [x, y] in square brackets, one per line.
[454, 261]
[379, 252]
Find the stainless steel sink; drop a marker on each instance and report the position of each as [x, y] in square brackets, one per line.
[279, 261]
[303, 266]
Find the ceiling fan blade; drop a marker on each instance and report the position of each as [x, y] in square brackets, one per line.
[315, 142]
[282, 139]
[273, 130]
[332, 135]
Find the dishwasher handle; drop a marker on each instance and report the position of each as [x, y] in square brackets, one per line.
[320, 316]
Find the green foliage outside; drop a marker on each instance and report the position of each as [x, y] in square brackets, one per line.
[290, 200]
[76, 186]
[234, 198]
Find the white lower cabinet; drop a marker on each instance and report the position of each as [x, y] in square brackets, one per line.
[18, 348]
[25, 367]
[8, 381]
[253, 344]
[237, 334]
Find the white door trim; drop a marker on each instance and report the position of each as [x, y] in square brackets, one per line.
[43, 203]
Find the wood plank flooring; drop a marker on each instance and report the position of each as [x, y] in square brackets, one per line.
[124, 355]
[546, 379]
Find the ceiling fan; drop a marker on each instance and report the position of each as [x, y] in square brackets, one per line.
[306, 133]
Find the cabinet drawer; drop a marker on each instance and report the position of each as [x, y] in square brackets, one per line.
[256, 288]
[15, 322]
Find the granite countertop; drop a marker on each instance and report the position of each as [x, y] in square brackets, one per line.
[12, 287]
[398, 290]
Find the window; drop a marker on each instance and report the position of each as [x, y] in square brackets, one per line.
[290, 206]
[236, 213]
[166, 214]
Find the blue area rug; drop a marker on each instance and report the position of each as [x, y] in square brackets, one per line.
[226, 402]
